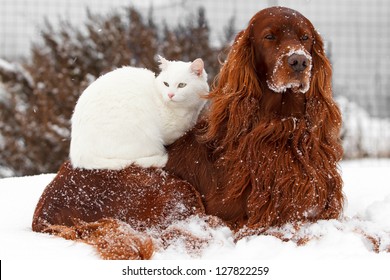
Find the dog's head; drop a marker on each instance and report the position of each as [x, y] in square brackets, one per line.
[283, 42]
[275, 69]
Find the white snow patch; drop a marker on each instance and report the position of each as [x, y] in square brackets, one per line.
[6, 66]
[367, 212]
[363, 135]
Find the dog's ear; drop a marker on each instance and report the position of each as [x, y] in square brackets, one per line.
[322, 70]
[322, 111]
[234, 90]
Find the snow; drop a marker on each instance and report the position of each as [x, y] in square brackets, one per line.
[357, 245]
[16, 68]
[368, 210]
[362, 134]
[6, 66]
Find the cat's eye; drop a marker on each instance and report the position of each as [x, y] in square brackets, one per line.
[166, 84]
[181, 85]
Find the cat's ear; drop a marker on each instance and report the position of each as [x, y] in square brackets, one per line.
[163, 63]
[197, 66]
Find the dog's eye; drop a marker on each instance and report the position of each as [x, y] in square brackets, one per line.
[305, 37]
[181, 85]
[166, 84]
[270, 37]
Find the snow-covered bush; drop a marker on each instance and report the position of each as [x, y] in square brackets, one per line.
[39, 96]
[363, 135]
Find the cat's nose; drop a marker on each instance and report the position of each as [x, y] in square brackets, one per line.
[171, 95]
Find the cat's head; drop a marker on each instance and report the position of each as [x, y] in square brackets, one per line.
[183, 83]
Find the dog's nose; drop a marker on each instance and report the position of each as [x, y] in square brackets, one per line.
[298, 62]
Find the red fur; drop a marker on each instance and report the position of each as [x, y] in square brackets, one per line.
[114, 239]
[262, 158]
[113, 209]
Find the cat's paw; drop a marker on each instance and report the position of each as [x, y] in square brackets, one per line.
[153, 161]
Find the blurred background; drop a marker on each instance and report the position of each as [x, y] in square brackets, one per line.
[51, 50]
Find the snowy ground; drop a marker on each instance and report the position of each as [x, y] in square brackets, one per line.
[367, 214]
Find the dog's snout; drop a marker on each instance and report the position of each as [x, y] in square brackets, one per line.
[298, 62]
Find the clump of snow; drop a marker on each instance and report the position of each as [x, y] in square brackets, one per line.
[16, 68]
[6, 66]
[3, 92]
[363, 135]
[5, 171]
[379, 212]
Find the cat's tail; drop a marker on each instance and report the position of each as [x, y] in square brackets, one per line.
[113, 239]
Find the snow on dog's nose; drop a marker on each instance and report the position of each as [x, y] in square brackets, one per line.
[298, 62]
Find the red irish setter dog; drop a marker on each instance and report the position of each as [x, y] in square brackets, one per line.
[265, 153]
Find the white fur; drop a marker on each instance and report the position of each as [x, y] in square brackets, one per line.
[126, 117]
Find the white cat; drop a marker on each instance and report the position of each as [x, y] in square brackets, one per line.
[127, 116]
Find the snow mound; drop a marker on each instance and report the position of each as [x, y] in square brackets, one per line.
[364, 231]
[362, 134]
